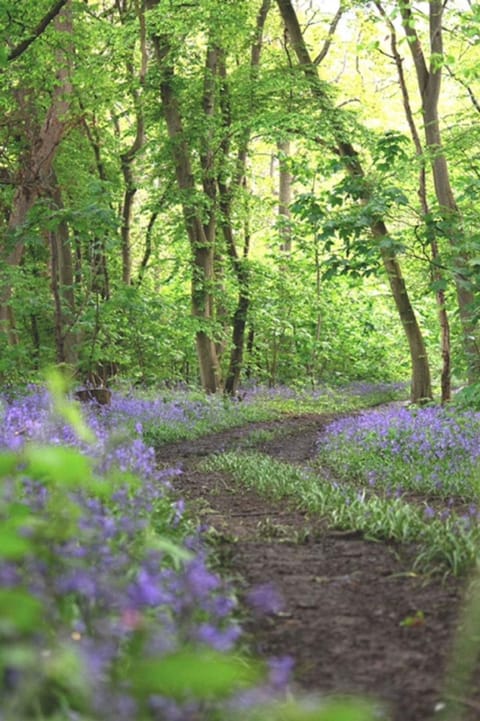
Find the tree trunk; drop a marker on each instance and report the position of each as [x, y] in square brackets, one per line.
[232, 381]
[35, 177]
[201, 244]
[239, 262]
[62, 283]
[448, 207]
[429, 81]
[128, 158]
[421, 389]
[127, 206]
[421, 385]
[437, 275]
[284, 195]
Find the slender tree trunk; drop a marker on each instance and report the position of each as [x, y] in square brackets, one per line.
[312, 368]
[239, 260]
[250, 350]
[128, 157]
[100, 278]
[232, 381]
[284, 195]
[429, 81]
[421, 389]
[437, 275]
[35, 341]
[148, 248]
[127, 205]
[62, 283]
[421, 386]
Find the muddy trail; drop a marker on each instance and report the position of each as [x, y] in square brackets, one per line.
[346, 599]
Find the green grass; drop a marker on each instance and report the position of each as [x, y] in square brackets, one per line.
[449, 545]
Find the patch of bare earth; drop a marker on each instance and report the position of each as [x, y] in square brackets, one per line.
[346, 599]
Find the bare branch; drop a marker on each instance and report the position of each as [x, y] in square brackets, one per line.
[148, 247]
[473, 97]
[331, 32]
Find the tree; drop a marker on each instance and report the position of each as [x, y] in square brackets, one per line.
[421, 389]
[227, 192]
[200, 228]
[429, 79]
[438, 279]
[40, 142]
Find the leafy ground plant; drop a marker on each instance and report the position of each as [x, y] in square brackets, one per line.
[432, 451]
[447, 543]
[109, 609]
[105, 587]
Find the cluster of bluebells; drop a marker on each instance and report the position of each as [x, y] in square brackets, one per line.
[108, 584]
[433, 450]
[175, 411]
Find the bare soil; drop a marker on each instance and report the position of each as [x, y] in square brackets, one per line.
[346, 599]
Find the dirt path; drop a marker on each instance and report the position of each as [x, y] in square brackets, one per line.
[344, 598]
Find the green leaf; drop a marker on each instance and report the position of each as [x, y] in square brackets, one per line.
[58, 465]
[18, 655]
[13, 546]
[440, 284]
[66, 669]
[203, 674]
[178, 554]
[8, 463]
[59, 384]
[335, 710]
[3, 56]
[19, 611]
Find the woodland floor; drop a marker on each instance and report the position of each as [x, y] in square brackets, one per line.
[344, 597]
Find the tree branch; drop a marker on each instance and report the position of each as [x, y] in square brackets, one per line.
[331, 32]
[414, 42]
[41, 27]
[473, 97]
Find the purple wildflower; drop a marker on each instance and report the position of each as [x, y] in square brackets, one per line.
[265, 599]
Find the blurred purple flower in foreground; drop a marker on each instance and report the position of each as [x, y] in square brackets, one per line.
[264, 599]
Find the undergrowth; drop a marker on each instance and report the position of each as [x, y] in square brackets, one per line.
[186, 416]
[448, 544]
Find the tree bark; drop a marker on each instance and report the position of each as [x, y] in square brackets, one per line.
[100, 278]
[421, 388]
[284, 195]
[436, 273]
[127, 158]
[429, 81]
[62, 283]
[239, 260]
[200, 236]
[35, 177]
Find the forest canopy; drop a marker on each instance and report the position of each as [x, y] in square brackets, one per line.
[214, 191]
